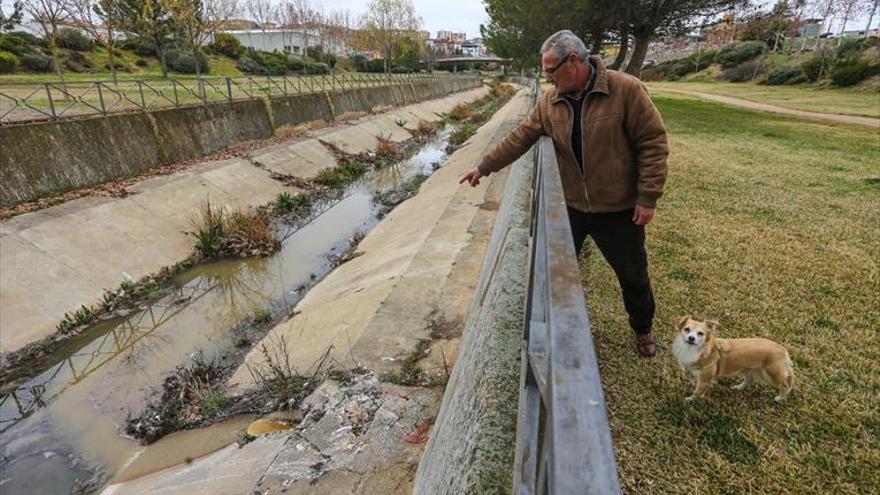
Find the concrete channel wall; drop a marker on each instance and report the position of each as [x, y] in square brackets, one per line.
[471, 449]
[46, 158]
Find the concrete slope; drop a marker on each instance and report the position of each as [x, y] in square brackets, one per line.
[373, 309]
[52, 261]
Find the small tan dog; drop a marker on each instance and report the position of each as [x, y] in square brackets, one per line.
[705, 358]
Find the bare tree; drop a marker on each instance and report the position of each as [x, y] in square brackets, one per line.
[386, 21]
[100, 19]
[261, 12]
[872, 4]
[825, 9]
[49, 15]
[848, 9]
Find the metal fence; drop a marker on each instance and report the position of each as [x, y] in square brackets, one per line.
[27, 102]
[563, 441]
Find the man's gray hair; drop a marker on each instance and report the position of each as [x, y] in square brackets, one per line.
[564, 42]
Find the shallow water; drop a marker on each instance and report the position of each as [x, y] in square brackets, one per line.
[63, 425]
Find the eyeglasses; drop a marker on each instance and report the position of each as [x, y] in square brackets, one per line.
[550, 71]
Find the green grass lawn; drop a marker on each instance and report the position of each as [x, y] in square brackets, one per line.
[770, 225]
[799, 97]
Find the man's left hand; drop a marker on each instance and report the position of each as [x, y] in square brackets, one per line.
[642, 215]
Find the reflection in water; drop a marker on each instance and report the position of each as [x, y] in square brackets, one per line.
[69, 415]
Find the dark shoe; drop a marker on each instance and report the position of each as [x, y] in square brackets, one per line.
[646, 345]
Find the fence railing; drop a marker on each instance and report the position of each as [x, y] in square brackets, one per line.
[26, 102]
[563, 441]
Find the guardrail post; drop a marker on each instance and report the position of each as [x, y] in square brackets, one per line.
[141, 91]
[229, 88]
[174, 88]
[51, 103]
[101, 98]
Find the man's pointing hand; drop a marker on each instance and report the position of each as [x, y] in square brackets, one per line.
[472, 178]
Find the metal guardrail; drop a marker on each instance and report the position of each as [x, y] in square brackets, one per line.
[563, 441]
[29, 102]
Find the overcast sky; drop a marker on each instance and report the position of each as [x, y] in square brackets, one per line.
[460, 16]
[467, 15]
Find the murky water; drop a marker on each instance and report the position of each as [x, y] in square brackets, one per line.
[63, 425]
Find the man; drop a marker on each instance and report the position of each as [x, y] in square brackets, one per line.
[611, 147]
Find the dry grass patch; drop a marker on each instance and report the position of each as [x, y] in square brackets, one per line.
[385, 147]
[460, 112]
[769, 225]
[219, 233]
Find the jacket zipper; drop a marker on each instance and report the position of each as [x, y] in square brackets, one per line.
[583, 169]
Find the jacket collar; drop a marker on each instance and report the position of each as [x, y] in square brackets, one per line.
[601, 84]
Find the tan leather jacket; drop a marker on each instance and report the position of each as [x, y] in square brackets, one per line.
[624, 144]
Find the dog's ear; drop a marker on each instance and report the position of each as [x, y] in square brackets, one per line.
[679, 323]
[712, 324]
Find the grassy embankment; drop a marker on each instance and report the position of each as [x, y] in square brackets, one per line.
[769, 225]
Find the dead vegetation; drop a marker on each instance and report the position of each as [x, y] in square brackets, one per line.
[195, 396]
[385, 147]
[220, 234]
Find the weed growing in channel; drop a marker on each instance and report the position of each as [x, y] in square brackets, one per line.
[208, 223]
[344, 174]
[72, 320]
[386, 148]
[221, 234]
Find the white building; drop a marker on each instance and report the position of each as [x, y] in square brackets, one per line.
[286, 40]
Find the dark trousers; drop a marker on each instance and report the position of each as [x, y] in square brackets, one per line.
[622, 243]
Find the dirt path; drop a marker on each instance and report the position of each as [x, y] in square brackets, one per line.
[738, 102]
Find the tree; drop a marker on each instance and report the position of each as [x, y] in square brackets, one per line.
[196, 21]
[9, 21]
[87, 14]
[650, 18]
[386, 21]
[873, 6]
[848, 9]
[149, 19]
[49, 15]
[262, 12]
[769, 27]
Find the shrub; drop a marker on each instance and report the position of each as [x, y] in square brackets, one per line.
[36, 62]
[184, 61]
[812, 66]
[140, 46]
[75, 40]
[18, 43]
[311, 68]
[852, 49]
[400, 69]
[251, 67]
[141, 62]
[743, 72]
[227, 44]
[8, 62]
[77, 62]
[295, 63]
[851, 73]
[781, 75]
[735, 54]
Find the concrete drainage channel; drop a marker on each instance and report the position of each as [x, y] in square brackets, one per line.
[60, 428]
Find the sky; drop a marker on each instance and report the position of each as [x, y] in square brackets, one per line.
[460, 16]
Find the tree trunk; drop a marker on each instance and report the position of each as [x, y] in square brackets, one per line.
[624, 48]
[56, 61]
[110, 47]
[871, 18]
[162, 61]
[640, 49]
